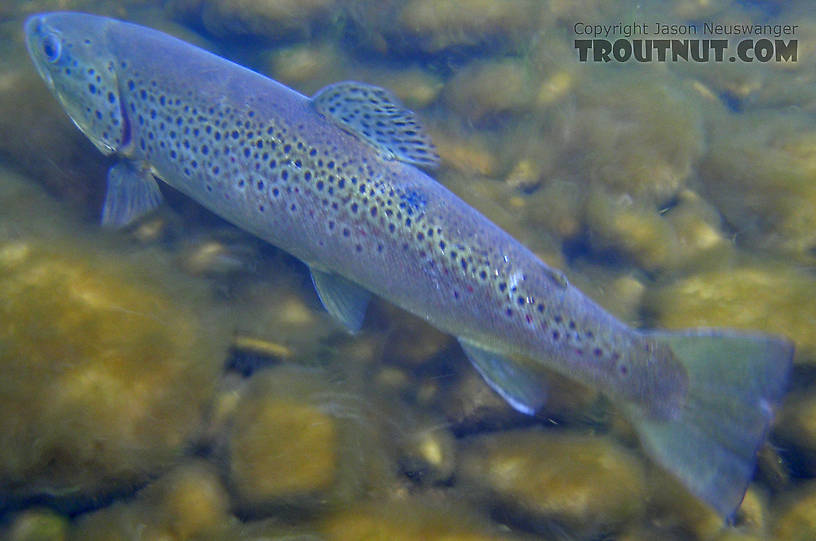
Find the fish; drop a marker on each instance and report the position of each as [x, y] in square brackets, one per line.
[340, 180]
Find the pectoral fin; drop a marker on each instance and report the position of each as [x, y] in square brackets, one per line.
[343, 299]
[522, 387]
[132, 193]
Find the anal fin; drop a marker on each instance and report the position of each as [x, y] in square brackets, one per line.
[132, 193]
[342, 298]
[522, 387]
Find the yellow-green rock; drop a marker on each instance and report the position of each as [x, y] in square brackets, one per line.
[700, 240]
[412, 341]
[281, 448]
[796, 426]
[106, 372]
[277, 308]
[635, 134]
[109, 356]
[306, 67]
[409, 519]
[37, 525]
[415, 87]
[270, 18]
[189, 502]
[618, 222]
[583, 483]
[73, 169]
[490, 87]
[674, 508]
[795, 516]
[192, 500]
[764, 297]
[769, 197]
[439, 24]
[297, 438]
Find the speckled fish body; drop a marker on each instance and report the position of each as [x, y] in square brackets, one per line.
[286, 168]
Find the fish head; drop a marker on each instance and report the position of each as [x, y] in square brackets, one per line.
[71, 54]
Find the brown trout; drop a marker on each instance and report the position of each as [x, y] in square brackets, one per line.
[333, 179]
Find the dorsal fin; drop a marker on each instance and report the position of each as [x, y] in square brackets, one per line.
[374, 115]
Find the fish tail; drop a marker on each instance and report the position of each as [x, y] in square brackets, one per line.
[735, 383]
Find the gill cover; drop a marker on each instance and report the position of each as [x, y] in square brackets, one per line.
[71, 53]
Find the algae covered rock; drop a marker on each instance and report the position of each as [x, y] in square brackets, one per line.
[492, 87]
[37, 525]
[621, 223]
[41, 128]
[795, 516]
[296, 438]
[269, 18]
[108, 360]
[437, 25]
[409, 519]
[558, 480]
[768, 196]
[763, 297]
[796, 426]
[189, 502]
[636, 134]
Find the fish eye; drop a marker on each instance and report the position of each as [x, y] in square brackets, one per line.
[51, 47]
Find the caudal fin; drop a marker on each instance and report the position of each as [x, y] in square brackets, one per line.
[735, 383]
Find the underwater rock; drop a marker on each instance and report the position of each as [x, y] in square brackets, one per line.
[620, 223]
[296, 438]
[73, 169]
[634, 133]
[213, 257]
[470, 404]
[281, 448]
[468, 154]
[700, 240]
[763, 297]
[417, 518]
[436, 25]
[558, 206]
[273, 19]
[415, 87]
[189, 502]
[549, 480]
[193, 500]
[796, 426]
[795, 516]
[490, 87]
[107, 364]
[281, 307]
[683, 235]
[37, 525]
[619, 291]
[429, 455]
[109, 356]
[411, 341]
[673, 508]
[526, 175]
[306, 67]
[776, 206]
